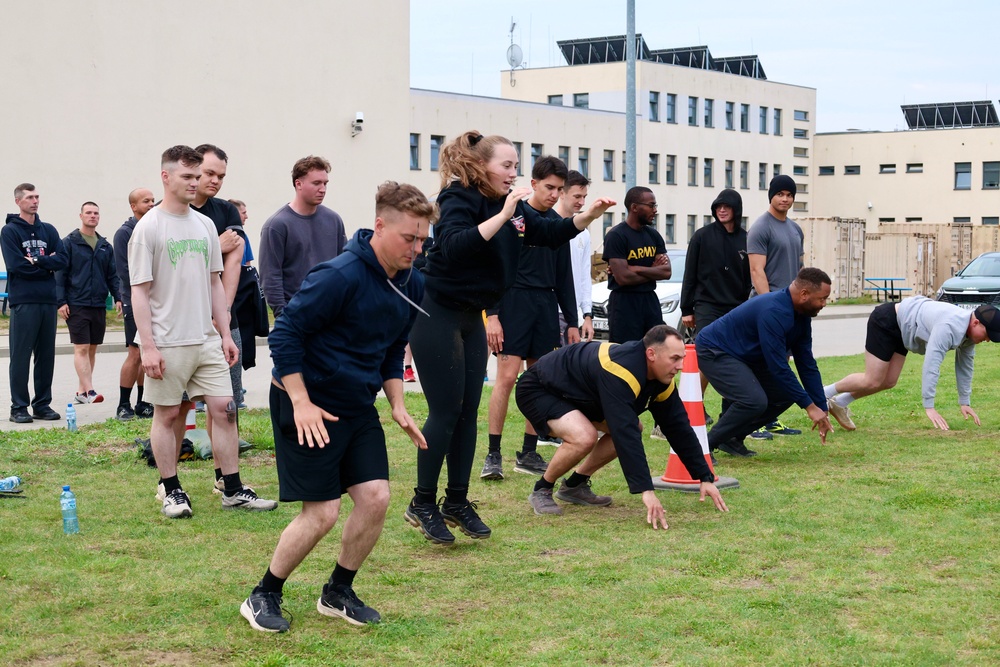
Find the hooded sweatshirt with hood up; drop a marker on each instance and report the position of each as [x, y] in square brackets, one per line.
[717, 270]
[27, 282]
[346, 328]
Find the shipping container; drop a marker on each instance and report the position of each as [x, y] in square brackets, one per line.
[836, 245]
[900, 255]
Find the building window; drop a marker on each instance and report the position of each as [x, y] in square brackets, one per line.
[709, 113]
[777, 122]
[914, 219]
[800, 133]
[962, 220]
[583, 160]
[744, 118]
[801, 115]
[670, 177]
[763, 120]
[963, 175]
[762, 176]
[564, 155]
[827, 171]
[991, 175]
[581, 100]
[730, 113]
[707, 220]
[608, 222]
[668, 227]
[991, 220]
[517, 148]
[744, 175]
[800, 206]
[624, 165]
[709, 165]
[800, 151]
[438, 141]
[654, 106]
[729, 173]
[801, 188]
[692, 171]
[887, 169]
[555, 100]
[776, 170]
[886, 220]
[693, 111]
[692, 225]
[414, 151]
[852, 170]
[609, 165]
[654, 168]
[671, 108]
[800, 170]
[536, 152]
[915, 168]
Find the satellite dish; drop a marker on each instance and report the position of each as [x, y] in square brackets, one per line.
[514, 56]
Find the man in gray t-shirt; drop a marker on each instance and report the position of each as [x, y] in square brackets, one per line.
[774, 241]
[299, 235]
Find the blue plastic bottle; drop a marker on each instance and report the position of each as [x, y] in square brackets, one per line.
[70, 418]
[71, 525]
[10, 483]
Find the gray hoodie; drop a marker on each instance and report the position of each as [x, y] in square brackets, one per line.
[932, 328]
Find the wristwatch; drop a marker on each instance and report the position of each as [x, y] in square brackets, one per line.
[590, 315]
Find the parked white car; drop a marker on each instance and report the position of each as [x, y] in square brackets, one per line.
[667, 291]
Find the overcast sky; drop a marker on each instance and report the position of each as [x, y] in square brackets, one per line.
[865, 58]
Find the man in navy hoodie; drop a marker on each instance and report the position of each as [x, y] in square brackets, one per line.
[33, 253]
[338, 341]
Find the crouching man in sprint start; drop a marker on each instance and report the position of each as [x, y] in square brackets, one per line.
[576, 391]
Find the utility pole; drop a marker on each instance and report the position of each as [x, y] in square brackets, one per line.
[630, 95]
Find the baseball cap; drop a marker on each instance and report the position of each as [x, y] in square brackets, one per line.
[990, 317]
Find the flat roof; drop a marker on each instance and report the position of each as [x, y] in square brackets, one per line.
[612, 49]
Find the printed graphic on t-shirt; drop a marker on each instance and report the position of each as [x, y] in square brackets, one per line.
[645, 252]
[34, 247]
[177, 249]
[518, 221]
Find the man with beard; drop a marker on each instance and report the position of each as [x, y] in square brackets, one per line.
[744, 354]
[637, 258]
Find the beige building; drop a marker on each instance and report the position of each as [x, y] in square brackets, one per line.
[699, 130]
[97, 90]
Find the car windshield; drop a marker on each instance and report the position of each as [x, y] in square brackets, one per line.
[984, 266]
[677, 259]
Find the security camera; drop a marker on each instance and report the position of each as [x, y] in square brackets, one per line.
[870, 206]
[359, 117]
[357, 125]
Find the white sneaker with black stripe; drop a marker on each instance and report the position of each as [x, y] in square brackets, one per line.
[176, 504]
[246, 499]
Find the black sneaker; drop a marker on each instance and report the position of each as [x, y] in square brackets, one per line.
[530, 463]
[20, 416]
[263, 611]
[492, 466]
[736, 448]
[47, 414]
[143, 410]
[464, 517]
[549, 440]
[124, 413]
[427, 518]
[341, 602]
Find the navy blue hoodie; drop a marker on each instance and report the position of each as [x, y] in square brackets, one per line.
[90, 275]
[346, 328]
[27, 282]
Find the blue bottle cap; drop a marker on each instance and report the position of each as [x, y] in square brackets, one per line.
[66, 487]
[69, 405]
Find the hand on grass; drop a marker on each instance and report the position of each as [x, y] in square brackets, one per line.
[711, 490]
[967, 412]
[821, 420]
[654, 510]
[937, 419]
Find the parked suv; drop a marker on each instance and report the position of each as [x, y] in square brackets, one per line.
[976, 284]
[667, 291]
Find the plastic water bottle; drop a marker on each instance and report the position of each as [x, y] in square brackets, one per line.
[70, 418]
[71, 525]
[10, 483]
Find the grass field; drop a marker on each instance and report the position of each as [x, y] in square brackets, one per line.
[880, 548]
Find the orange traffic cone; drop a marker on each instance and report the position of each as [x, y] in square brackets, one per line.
[192, 423]
[676, 476]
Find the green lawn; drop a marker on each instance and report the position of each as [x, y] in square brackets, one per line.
[880, 548]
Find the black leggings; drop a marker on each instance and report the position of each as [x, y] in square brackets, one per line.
[449, 349]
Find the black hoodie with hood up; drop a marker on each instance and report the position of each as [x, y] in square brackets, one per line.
[29, 282]
[717, 270]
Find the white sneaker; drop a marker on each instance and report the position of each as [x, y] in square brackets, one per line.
[657, 433]
[219, 487]
[247, 500]
[842, 414]
[176, 504]
[161, 492]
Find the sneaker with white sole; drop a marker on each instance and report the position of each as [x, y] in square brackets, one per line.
[777, 428]
[530, 463]
[581, 495]
[492, 466]
[549, 440]
[81, 398]
[176, 504]
[541, 501]
[343, 602]
[263, 611]
[842, 414]
[657, 433]
[246, 499]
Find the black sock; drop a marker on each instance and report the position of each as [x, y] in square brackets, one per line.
[425, 496]
[407, 367]
[542, 484]
[495, 443]
[218, 474]
[530, 443]
[576, 479]
[138, 394]
[342, 576]
[232, 483]
[125, 396]
[270, 583]
[456, 496]
[170, 484]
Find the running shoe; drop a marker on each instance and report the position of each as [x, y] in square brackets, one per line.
[464, 517]
[426, 517]
[530, 463]
[581, 495]
[124, 413]
[342, 602]
[737, 448]
[263, 611]
[492, 467]
[762, 434]
[541, 501]
[246, 499]
[777, 428]
[408, 375]
[842, 414]
[176, 504]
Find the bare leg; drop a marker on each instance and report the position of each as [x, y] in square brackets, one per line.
[92, 354]
[528, 428]
[508, 366]
[225, 441]
[180, 425]
[84, 370]
[603, 454]
[878, 376]
[364, 525]
[304, 532]
[579, 438]
[162, 439]
[131, 372]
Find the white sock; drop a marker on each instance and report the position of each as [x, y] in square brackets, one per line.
[843, 400]
[830, 390]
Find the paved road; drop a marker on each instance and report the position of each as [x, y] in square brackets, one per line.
[838, 331]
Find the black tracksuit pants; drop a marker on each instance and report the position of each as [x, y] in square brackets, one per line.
[32, 332]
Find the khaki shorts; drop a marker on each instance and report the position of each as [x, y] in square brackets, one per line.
[200, 370]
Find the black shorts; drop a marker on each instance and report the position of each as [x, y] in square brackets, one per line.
[706, 313]
[884, 337]
[632, 314]
[530, 321]
[86, 325]
[355, 454]
[537, 404]
[130, 330]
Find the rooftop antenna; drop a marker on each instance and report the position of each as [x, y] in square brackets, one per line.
[515, 56]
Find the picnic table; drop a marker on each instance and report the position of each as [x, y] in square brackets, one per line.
[891, 288]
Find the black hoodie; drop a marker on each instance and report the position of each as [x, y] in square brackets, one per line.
[717, 270]
[31, 282]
